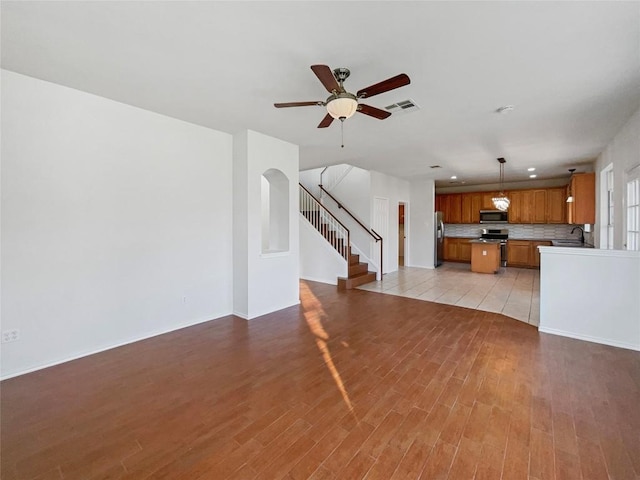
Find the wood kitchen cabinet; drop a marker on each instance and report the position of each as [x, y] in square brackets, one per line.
[471, 203]
[526, 215]
[450, 206]
[464, 250]
[515, 206]
[556, 205]
[487, 200]
[524, 253]
[443, 206]
[539, 206]
[582, 210]
[518, 253]
[485, 257]
[457, 249]
[455, 208]
[535, 253]
[542, 205]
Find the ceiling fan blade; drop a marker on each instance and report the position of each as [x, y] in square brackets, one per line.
[326, 121]
[297, 104]
[325, 75]
[373, 111]
[384, 86]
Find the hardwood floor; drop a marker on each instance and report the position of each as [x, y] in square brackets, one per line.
[349, 385]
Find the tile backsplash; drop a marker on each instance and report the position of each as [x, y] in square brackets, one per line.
[537, 231]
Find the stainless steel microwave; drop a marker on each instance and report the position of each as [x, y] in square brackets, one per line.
[493, 216]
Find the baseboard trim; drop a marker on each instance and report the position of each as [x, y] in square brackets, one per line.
[320, 280]
[110, 347]
[589, 338]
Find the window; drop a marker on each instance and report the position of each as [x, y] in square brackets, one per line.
[633, 209]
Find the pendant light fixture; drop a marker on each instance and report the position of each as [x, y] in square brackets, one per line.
[570, 196]
[501, 202]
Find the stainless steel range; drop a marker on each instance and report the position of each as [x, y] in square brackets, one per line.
[497, 235]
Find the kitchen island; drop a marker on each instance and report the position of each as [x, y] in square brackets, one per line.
[485, 256]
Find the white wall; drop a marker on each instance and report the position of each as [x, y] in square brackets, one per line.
[116, 223]
[421, 233]
[319, 261]
[624, 153]
[311, 179]
[264, 282]
[591, 294]
[395, 190]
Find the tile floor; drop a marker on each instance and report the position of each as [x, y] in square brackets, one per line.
[514, 292]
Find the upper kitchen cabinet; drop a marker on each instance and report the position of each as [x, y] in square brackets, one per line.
[556, 205]
[543, 205]
[455, 208]
[515, 207]
[487, 200]
[471, 203]
[582, 187]
[451, 207]
[539, 206]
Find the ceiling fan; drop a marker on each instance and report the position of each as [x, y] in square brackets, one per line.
[342, 104]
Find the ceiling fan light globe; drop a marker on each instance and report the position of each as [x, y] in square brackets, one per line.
[342, 107]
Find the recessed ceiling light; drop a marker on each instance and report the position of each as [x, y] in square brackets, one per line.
[505, 109]
[453, 177]
[533, 176]
[531, 169]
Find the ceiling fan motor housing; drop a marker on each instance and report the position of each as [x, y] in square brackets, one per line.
[341, 74]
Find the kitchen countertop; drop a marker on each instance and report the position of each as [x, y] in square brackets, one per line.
[485, 240]
[551, 240]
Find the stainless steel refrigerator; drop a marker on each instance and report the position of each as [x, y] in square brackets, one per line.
[438, 227]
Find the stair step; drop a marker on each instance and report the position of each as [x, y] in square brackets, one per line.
[357, 269]
[349, 283]
[354, 258]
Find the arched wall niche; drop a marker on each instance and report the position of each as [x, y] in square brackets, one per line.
[274, 190]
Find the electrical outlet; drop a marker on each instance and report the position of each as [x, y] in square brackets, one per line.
[10, 336]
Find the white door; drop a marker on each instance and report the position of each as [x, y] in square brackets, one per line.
[381, 225]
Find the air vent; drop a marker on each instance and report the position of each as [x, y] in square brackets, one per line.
[404, 106]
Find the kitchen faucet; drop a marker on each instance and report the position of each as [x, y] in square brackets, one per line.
[581, 233]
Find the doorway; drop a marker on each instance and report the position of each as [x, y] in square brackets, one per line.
[402, 238]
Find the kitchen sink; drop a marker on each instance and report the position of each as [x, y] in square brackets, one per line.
[570, 243]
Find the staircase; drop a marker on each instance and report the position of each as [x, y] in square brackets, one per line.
[338, 236]
[358, 273]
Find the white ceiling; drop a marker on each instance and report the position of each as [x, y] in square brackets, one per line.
[572, 70]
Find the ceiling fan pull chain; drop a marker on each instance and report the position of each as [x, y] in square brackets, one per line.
[342, 132]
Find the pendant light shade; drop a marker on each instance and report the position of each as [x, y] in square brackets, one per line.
[501, 202]
[343, 106]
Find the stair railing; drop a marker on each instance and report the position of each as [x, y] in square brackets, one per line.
[375, 235]
[334, 176]
[325, 222]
